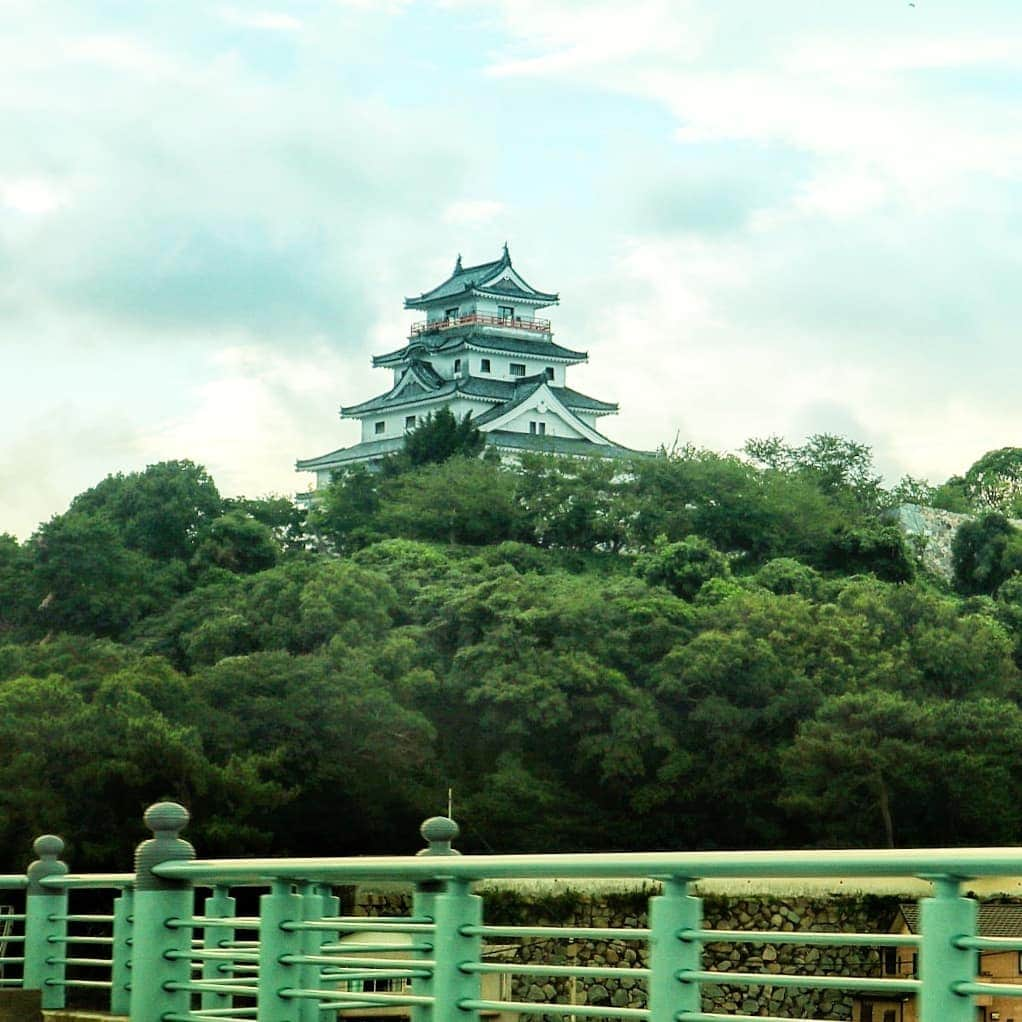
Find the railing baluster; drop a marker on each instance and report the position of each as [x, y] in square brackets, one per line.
[46, 924]
[456, 908]
[942, 965]
[670, 914]
[157, 901]
[218, 905]
[120, 971]
[277, 908]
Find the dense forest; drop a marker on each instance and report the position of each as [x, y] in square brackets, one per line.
[692, 650]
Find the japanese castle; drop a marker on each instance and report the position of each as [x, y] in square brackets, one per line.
[481, 350]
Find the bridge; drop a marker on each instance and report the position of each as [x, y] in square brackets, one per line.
[174, 947]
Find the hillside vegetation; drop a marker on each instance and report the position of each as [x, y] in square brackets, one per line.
[704, 651]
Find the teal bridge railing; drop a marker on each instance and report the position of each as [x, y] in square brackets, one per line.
[167, 952]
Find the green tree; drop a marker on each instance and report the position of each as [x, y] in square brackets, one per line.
[984, 553]
[159, 512]
[441, 436]
[682, 567]
[237, 542]
[994, 482]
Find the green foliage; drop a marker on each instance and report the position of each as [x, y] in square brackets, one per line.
[994, 482]
[441, 436]
[985, 553]
[590, 654]
[682, 567]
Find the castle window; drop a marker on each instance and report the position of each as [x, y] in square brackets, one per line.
[517, 369]
[507, 313]
[532, 427]
[451, 313]
[484, 365]
[380, 427]
[409, 422]
[549, 372]
[457, 366]
[537, 428]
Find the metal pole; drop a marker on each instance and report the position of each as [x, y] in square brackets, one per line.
[120, 973]
[45, 927]
[158, 903]
[219, 905]
[942, 965]
[670, 957]
[278, 907]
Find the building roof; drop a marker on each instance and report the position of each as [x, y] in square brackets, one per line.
[994, 920]
[450, 342]
[558, 445]
[485, 277]
[501, 392]
[346, 455]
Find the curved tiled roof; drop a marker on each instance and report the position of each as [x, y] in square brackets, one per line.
[468, 278]
[450, 342]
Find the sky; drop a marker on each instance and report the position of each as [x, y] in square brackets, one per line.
[762, 216]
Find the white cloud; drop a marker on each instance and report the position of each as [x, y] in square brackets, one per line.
[473, 212]
[33, 196]
[269, 21]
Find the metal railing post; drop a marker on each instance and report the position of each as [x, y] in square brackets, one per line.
[310, 976]
[671, 955]
[46, 925]
[942, 965]
[438, 832]
[218, 905]
[120, 971]
[454, 909]
[158, 903]
[330, 905]
[279, 907]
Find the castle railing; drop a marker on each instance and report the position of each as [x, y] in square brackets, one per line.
[173, 958]
[541, 326]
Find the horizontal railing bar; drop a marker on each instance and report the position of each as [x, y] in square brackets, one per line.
[801, 937]
[11, 960]
[81, 881]
[14, 938]
[9, 982]
[568, 932]
[510, 968]
[345, 974]
[227, 954]
[55, 918]
[212, 986]
[194, 1016]
[361, 996]
[989, 989]
[215, 1013]
[775, 979]
[13, 881]
[357, 963]
[959, 863]
[531, 1008]
[989, 943]
[371, 948]
[385, 922]
[87, 962]
[97, 984]
[327, 924]
[206, 922]
[72, 939]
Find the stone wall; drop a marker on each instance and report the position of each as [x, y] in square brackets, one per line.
[771, 912]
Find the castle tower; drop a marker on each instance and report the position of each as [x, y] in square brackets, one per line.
[480, 350]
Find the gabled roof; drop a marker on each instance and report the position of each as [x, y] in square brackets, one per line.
[994, 920]
[449, 342]
[505, 394]
[496, 277]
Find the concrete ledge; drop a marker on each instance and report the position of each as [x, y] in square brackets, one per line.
[20, 1005]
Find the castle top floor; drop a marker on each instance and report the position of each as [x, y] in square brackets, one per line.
[490, 294]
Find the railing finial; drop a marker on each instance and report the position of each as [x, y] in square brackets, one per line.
[48, 847]
[166, 820]
[439, 831]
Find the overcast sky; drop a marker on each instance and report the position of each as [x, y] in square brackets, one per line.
[762, 216]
